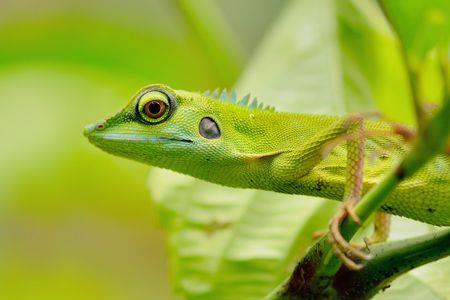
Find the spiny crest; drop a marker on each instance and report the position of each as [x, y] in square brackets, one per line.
[232, 97]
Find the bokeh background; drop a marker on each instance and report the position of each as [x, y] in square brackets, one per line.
[76, 223]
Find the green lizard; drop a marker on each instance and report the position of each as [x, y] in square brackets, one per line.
[244, 144]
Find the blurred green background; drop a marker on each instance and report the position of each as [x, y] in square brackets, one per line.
[76, 223]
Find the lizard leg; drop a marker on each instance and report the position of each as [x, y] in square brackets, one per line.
[382, 225]
[300, 162]
[398, 129]
[378, 235]
[353, 192]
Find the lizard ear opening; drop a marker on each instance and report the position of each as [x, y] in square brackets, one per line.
[209, 129]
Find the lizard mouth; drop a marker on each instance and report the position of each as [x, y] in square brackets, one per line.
[95, 134]
[134, 138]
[138, 138]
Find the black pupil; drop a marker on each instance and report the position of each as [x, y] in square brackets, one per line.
[154, 108]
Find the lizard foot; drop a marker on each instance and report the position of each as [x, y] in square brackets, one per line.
[346, 252]
[382, 225]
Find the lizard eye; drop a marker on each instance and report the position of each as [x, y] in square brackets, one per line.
[155, 109]
[154, 106]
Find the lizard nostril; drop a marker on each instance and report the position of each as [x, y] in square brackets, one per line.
[93, 127]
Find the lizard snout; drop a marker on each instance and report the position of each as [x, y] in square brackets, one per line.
[93, 127]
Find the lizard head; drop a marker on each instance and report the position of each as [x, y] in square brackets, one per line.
[183, 131]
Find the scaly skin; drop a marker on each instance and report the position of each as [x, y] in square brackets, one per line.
[267, 150]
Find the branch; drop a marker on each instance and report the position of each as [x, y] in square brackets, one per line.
[390, 261]
[412, 76]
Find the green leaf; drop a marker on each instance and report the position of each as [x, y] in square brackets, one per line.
[421, 24]
[436, 275]
[223, 241]
[331, 58]
[408, 287]
[424, 28]
[320, 57]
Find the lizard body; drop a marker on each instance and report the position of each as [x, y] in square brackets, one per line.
[245, 145]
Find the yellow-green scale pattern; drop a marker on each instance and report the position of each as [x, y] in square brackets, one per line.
[268, 150]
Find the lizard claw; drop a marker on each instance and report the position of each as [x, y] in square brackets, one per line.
[349, 210]
[345, 251]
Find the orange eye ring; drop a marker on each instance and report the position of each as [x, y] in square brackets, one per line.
[155, 109]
